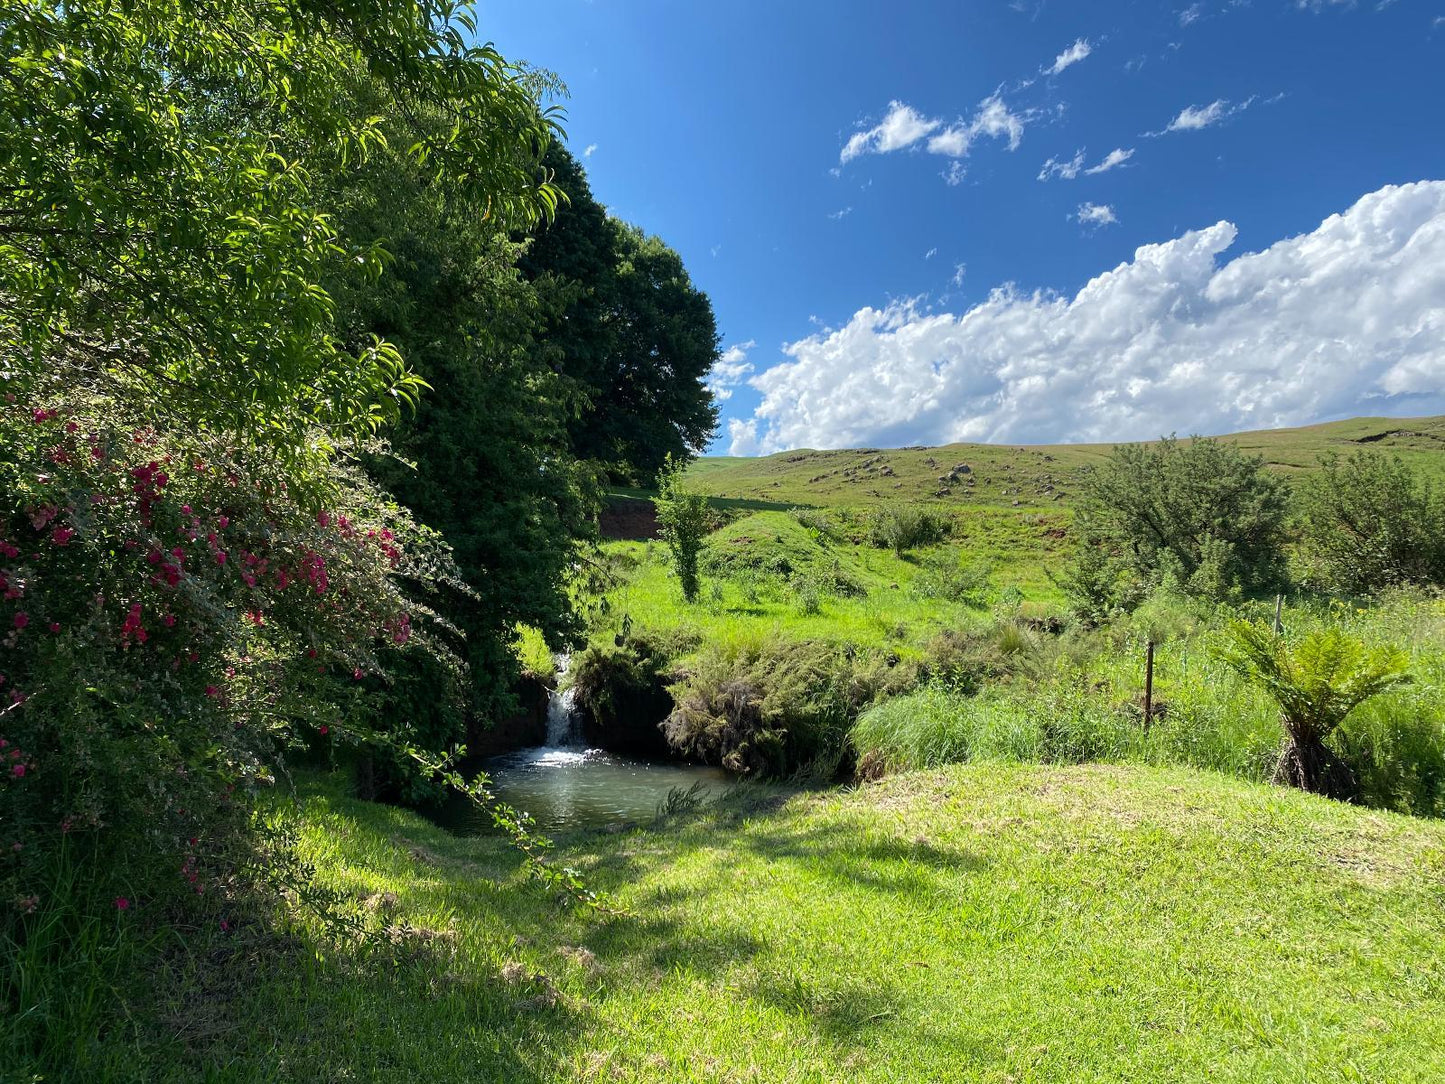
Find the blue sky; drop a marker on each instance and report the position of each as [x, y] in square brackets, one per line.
[896, 206]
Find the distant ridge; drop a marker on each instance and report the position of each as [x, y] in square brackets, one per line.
[1025, 475]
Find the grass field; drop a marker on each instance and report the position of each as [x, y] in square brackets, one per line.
[982, 923]
[1036, 476]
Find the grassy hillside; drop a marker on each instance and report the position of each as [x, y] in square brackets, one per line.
[984, 923]
[1034, 476]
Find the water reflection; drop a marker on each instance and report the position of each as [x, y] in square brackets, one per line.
[573, 788]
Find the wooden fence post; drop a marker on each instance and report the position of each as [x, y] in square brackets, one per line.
[1148, 683]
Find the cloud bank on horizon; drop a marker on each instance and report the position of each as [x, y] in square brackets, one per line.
[1347, 319]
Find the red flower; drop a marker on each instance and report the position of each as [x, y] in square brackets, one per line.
[18, 770]
[211, 690]
[55, 626]
[324, 729]
[22, 619]
[122, 904]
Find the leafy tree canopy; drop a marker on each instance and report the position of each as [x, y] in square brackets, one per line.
[160, 234]
[628, 326]
[1369, 522]
[1200, 512]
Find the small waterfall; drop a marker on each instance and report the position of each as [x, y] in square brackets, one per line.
[561, 718]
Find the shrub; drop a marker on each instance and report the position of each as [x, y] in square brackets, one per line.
[949, 576]
[902, 527]
[176, 618]
[817, 523]
[623, 691]
[1370, 522]
[1199, 513]
[683, 518]
[773, 708]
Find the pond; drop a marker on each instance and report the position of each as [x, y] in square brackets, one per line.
[586, 788]
[563, 784]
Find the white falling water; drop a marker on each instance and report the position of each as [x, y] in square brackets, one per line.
[561, 719]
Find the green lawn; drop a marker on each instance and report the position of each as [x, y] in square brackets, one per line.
[981, 923]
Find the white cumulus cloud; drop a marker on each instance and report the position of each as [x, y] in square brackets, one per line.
[1072, 55]
[729, 370]
[1067, 170]
[903, 127]
[1347, 319]
[1096, 214]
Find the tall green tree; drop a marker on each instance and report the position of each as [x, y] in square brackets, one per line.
[486, 456]
[1369, 521]
[1199, 512]
[161, 236]
[628, 326]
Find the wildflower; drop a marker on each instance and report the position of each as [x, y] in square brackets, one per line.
[122, 904]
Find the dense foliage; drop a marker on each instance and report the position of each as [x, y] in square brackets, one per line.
[162, 236]
[1199, 513]
[1369, 521]
[682, 516]
[485, 458]
[1317, 682]
[626, 325]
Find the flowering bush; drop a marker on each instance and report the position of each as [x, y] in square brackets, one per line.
[173, 615]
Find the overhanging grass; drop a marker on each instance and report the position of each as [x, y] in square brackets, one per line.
[981, 923]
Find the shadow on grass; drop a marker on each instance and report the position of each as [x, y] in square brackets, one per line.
[501, 989]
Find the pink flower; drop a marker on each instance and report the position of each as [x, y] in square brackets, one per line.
[357, 673]
[185, 510]
[22, 619]
[55, 626]
[18, 770]
[211, 690]
[62, 535]
[323, 519]
[220, 557]
[122, 904]
[223, 522]
[324, 729]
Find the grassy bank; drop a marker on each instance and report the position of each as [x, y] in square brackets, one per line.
[983, 923]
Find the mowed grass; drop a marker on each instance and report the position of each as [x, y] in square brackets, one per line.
[979, 923]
